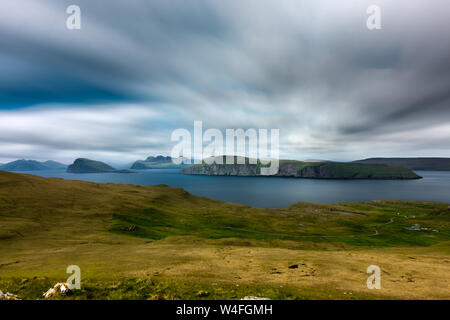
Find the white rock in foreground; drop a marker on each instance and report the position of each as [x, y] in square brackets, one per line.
[254, 298]
[60, 289]
[8, 296]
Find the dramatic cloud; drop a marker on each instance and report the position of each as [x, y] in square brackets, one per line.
[138, 69]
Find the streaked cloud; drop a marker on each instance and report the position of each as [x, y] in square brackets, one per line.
[115, 89]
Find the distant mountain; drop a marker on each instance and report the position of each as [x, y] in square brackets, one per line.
[54, 165]
[435, 164]
[32, 165]
[160, 159]
[82, 165]
[303, 169]
[158, 162]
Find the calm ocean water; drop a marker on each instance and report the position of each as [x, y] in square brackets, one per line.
[275, 192]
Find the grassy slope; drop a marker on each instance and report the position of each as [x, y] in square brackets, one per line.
[161, 242]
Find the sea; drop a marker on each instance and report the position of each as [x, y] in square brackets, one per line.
[278, 192]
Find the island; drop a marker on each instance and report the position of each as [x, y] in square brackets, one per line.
[83, 165]
[305, 169]
[32, 165]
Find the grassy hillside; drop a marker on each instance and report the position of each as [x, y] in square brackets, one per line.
[135, 242]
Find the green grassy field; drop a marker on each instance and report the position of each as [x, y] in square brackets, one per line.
[135, 242]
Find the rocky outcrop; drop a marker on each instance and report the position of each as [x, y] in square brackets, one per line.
[8, 296]
[288, 169]
[59, 289]
[255, 298]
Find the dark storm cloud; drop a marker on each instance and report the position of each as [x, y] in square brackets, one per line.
[313, 69]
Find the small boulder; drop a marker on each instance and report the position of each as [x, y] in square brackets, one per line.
[294, 266]
[59, 289]
[202, 293]
[254, 298]
[8, 296]
[130, 228]
[415, 227]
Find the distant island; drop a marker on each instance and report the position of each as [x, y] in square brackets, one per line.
[158, 162]
[432, 164]
[82, 165]
[32, 165]
[305, 169]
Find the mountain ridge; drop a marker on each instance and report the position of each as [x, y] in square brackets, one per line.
[32, 165]
[157, 162]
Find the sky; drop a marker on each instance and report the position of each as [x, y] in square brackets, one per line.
[137, 70]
